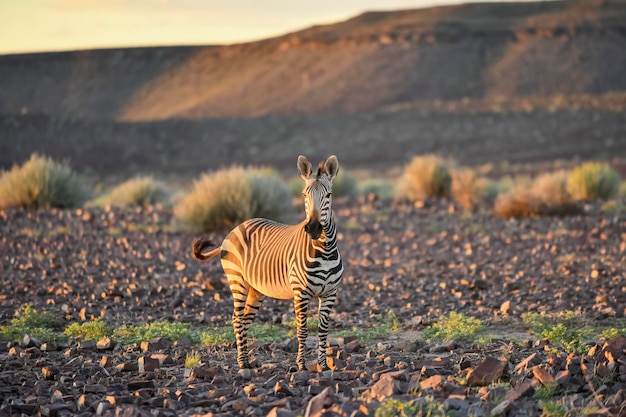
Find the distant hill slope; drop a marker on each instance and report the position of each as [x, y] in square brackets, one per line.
[374, 61]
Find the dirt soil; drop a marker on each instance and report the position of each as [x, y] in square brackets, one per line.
[419, 262]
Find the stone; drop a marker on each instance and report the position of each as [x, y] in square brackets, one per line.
[523, 389]
[353, 346]
[444, 347]
[531, 359]
[384, 388]
[489, 371]
[318, 403]
[433, 382]
[86, 345]
[280, 412]
[49, 372]
[543, 376]
[105, 344]
[147, 364]
[501, 408]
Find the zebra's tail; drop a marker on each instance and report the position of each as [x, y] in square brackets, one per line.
[200, 245]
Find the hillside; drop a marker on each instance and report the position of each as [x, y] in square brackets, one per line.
[375, 61]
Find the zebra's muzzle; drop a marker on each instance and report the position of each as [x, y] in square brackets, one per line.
[314, 229]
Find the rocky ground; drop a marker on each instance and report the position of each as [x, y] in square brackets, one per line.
[420, 262]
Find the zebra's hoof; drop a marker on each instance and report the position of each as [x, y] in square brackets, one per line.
[327, 373]
[245, 373]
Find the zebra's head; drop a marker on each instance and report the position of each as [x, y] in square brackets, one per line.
[317, 193]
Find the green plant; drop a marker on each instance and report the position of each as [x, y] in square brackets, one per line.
[218, 336]
[224, 335]
[456, 326]
[271, 197]
[140, 191]
[345, 185]
[385, 326]
[425, 176]
[552, 408]
[221, 200]
[594, 180]
[559, 330]
[29, 321]
[144, 332]
[311, 322]
[91, 330]
[192, 359]
[382, 189]
[41, 183]
[419, 407]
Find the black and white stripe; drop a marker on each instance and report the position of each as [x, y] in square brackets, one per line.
[264, 258]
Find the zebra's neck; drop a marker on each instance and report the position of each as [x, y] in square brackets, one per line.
[328, 240]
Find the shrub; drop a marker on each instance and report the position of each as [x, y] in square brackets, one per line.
[140, 191]
[221, 200]
[472, 191]
[382, 189]
[551, 194]
[594, 180]
[41, 183]
[271, 196]
[345, 185]
[546, 195]
[425, 176]
[518, 202]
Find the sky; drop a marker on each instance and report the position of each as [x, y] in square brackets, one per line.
[54, 25]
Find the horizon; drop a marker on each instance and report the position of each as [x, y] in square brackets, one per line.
[67, 25]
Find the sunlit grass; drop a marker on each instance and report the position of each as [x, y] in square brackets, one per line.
[455, 327]
[192, 359]
[43, 326]
[91, 330]
[140, 333]
[568, 332]
[385, 326]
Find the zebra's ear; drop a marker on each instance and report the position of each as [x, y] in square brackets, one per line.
[304, 167]
[331, 167]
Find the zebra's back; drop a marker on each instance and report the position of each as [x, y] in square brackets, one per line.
[264, 254]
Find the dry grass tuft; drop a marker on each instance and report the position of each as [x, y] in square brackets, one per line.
[426, 176]
[221, 200]
[41, 182]
[594, 180]
[547, 195]
[140, 191]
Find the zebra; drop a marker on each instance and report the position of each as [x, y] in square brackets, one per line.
[261, 257]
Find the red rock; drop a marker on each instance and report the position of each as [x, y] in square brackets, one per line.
[487, 372]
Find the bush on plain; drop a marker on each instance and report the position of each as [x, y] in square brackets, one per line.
[140, 191]
[381, 189]
[472, 191]
[426, 176]
[41, 182]
[547, 195]
[594, 180]
[221, 200]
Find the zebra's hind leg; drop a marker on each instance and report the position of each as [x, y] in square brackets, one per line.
[246, 302]
[325, 306]
[301, 307]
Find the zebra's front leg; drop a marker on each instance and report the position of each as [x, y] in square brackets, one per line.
[301, 307]
[325, 306]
